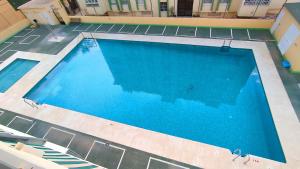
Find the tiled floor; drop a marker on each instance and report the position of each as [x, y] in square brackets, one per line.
[37, 40]
[291, 81]
[96, 150]
[4, 167]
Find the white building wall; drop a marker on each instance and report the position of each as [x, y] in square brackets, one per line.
[95, 10]
[43, 16]
[152, 5]
[196, 6]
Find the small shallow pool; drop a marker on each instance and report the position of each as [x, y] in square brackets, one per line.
[14, 71]
[194, 92]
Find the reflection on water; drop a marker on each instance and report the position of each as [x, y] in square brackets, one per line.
[178, 73]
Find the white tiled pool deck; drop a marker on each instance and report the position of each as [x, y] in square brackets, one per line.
[183, 150]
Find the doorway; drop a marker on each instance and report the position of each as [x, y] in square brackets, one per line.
[185, 7]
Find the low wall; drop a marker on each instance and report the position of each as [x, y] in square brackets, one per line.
[10, 31]
[205, 22]
[19, 159]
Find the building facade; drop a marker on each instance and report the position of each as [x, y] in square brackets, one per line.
[286, 30]
[180, 8]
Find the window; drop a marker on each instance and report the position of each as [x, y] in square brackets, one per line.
[163, 6]
[265, 2]
[91, 3]
[140, 2]
[257, 2]
[224, 1]
[207, 1]
[124, 1]
[113, 2]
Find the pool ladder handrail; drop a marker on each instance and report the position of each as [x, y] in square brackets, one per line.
[32, 104]
[91, 37]
[238, 153]
[249, 158]
[224, 42]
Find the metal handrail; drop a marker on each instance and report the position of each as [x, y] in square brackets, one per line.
[32, 104]
[238, 153]
[249, 158]
[224, 42]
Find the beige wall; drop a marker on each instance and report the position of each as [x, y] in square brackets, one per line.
[46, 15]
[8, 15]
[42, 15]
[61, 10]
[293, 53]
[11, 21]
[213, 22]
[10, 31]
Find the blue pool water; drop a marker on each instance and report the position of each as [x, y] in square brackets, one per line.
[194, 92]
[14, 71]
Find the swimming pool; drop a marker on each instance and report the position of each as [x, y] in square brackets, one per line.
[14, 71]
[194, 92]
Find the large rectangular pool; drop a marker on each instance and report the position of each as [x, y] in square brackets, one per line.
[195, 92]
[14, 71]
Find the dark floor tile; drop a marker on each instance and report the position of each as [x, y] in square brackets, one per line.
[39, 129]
[116, 28]
[104, 28]
[21, 124]
[83, 27]
[6, 54]
[28, 40]
[6, 117]
[186, 31]
[257, 34]
[24, 32]
[14, 39]
[81, 144]
[134, 160]
[93, 27]
[170, 31]
[240, 34]
[128, 29]
[5, 46]
[2, 166]
[155, 30]
[203, 33]
[105, 155]
[160, 164]
[221, 33]
[141, 30]
[59, 137]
